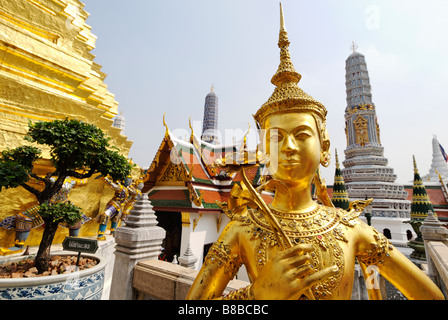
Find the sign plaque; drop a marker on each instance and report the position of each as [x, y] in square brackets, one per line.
[80, 245]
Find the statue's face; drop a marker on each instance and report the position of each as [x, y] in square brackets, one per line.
[127, 182]
[293, 146]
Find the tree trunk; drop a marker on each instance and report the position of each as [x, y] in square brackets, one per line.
[43, 255]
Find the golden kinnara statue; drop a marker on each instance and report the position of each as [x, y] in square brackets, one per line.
[295, 248]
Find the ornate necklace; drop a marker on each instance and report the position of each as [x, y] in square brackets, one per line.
[312, 223]
[319, 227]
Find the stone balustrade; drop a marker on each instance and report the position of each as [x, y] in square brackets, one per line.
[161, 280]
[435, 237]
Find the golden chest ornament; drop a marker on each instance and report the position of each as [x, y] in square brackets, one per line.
[321, 227]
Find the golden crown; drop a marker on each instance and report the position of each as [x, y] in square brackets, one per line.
[287, 96]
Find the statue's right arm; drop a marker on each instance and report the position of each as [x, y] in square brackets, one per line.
[220, 266]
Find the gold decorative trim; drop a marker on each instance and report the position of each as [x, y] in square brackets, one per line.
[220, 253]
[195, 221]
[185, 219]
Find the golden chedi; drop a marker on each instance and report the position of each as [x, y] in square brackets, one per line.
[295, 248]
[47, 72]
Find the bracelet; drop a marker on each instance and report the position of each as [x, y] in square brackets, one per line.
[241, 294]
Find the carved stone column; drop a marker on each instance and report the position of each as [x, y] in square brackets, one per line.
[139, 239]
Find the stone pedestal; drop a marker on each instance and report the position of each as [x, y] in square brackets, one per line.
[433, 230]
[139, 239]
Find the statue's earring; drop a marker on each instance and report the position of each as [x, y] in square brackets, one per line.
[325, 158]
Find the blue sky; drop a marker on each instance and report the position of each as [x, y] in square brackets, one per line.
[163, 56]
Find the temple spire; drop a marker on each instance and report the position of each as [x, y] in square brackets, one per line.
[415, 165]
[421, 203]
[210, 123]
[336, 158]
[339, 197]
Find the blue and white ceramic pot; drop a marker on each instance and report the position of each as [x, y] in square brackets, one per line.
[80, 285]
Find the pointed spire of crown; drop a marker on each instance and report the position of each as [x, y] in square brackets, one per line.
[287, 95]
[285, 72]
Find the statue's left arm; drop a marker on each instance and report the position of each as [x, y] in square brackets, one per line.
[376, 251]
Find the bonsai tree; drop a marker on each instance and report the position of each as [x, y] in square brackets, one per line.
[77, 149]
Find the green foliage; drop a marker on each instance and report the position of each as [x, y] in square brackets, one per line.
[24, 155]
[74, 144]
[77, 149]
[12, 175]
[16, 165]
[61, 212]
[111, 163]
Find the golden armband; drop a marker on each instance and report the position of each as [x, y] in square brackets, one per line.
[380, 249]
[220, 254]
[240, 294]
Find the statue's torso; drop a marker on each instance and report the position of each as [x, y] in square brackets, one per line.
[329, 230]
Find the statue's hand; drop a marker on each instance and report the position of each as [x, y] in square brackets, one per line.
[288, 275]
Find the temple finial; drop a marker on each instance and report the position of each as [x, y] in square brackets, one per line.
[415, 164]
[336, 157]
[213, 88]
[282, 19]
[354, 46]
[192, 132]
[166, 127]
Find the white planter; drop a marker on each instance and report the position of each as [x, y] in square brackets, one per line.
[80, 285]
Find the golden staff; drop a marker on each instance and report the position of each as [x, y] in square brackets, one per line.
[239, 160]
[268, 213]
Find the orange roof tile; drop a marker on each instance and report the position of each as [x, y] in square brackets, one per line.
[210, 196]
[250, 173]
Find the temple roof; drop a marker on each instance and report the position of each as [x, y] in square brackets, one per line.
[182, 177]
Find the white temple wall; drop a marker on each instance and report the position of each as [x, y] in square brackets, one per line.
[397, 227]
[206, 232]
